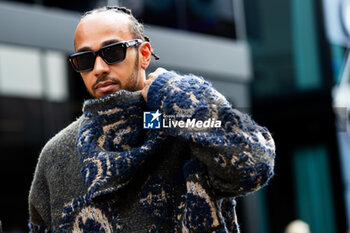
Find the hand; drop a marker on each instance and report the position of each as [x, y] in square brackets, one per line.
[150, 78]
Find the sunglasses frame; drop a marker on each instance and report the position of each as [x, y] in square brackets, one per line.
[124, 44]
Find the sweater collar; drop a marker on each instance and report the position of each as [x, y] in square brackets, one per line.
[115, 121]
[120, 100]
[112, 141]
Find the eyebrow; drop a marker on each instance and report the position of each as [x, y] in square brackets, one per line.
[108, 42]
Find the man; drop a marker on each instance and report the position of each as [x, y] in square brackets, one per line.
[105, 173]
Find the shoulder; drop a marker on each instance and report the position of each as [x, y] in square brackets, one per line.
[65, 137]
[63, 142]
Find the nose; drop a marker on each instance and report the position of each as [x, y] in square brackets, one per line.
[100, 67]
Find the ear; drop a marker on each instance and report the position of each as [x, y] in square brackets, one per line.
[145, 52]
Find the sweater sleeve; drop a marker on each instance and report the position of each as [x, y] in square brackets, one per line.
[238, 153]
[39, 200]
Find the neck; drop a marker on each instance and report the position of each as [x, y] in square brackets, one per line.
[141, 79]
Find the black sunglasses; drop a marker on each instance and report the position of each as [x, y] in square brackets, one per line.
[111, 54]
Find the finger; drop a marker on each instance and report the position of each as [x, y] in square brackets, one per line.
[152, 76]
[156, 73]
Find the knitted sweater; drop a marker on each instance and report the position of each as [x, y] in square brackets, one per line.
[105, 173]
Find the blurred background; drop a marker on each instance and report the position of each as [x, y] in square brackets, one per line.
[284, 62]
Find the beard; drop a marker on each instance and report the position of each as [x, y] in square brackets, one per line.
[133, 80]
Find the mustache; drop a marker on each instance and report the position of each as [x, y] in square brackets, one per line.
[106, 78]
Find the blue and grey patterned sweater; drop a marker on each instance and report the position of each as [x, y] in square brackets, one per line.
[105, 173]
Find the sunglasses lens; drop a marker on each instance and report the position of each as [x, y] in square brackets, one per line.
[114, 53]
[83, 62]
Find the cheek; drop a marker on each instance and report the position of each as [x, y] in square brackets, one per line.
[122, 71]
[87, 81]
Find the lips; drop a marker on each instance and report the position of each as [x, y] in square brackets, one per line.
[106, 86]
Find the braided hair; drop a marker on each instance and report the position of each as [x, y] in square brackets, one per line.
[136, 28]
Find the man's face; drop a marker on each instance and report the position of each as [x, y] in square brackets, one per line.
[97, 30]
